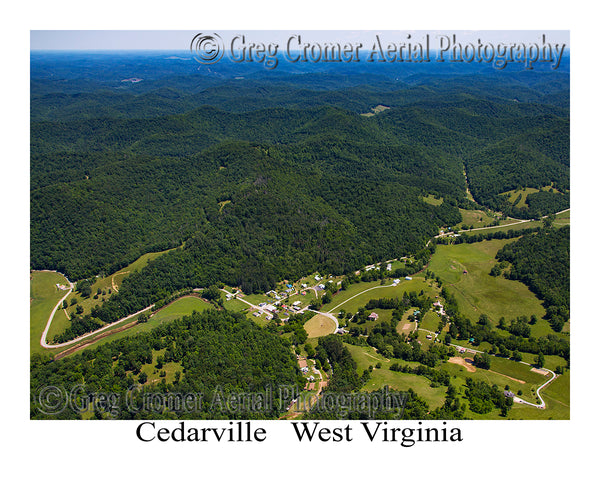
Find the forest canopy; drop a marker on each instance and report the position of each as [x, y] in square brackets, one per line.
[277, 176]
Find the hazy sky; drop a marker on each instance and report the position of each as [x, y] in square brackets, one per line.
[180, 39]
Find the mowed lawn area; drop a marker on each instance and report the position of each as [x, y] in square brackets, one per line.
[478, 292]
[44, 295]
[519, 202]
[319, 326]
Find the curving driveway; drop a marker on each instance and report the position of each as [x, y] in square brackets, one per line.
[45, 344]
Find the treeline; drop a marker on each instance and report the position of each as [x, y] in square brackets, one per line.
[391, 344]
[545, 203]
[216, 353]
[542, 263]
[437, 377]
[483, 397]
[295, 324]
[517, 342]
[331, 351]
[468, 237]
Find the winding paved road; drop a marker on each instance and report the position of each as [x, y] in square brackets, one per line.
[358, 294]
[49, 322]
[45, 344]
[517, 399]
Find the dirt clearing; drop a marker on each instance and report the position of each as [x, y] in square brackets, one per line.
[319, 326]
[540, 371]
[464, 362]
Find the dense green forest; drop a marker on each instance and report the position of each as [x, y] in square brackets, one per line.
[120, 169]
[273, 175]
[218, 355]
[542, 263]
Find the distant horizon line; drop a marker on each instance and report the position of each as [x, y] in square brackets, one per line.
[187, 51]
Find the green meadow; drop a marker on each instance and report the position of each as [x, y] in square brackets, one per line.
[102, 289]
[431, 200]
[478, 292]
[358, 294]
[177, 309]
[44, 295]
[474, 218]
[380, 377]
[519, 202]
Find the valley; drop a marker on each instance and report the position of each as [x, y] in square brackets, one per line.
[337, 233]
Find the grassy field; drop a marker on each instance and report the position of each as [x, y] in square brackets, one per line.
[510, 225]
[44, 295]
[513, 196]
[407, 324]
[478, 292]
[557, 398]
[564, 215]
[562, 219]
[319, 326]
[103, 288]
[153, 373]
[260, 320]
[180, 307]
[431, 200]
[235, 305]
[358, 294]
[60, 322]
[430, 321]
[474, 218]
[380, 377]
[384, 316]
[255, 299]
[517, 376]
[375, 111]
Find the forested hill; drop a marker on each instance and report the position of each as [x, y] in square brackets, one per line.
[216, 354]
[542, 262]
[275, 175]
